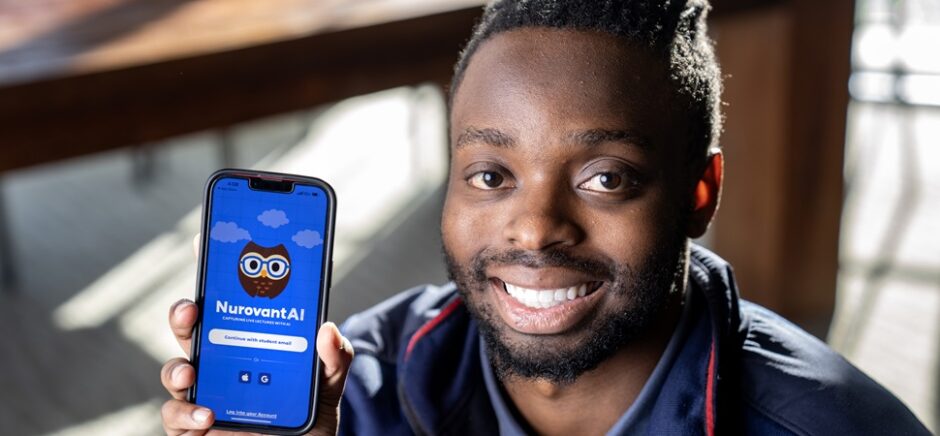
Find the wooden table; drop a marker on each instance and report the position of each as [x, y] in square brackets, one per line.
[80, 76]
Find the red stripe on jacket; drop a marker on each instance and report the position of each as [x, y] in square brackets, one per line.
[710, 394]
[428, 326]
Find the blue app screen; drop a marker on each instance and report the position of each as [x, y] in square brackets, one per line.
[262, 284]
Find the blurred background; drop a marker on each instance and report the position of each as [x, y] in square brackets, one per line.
[114, 112]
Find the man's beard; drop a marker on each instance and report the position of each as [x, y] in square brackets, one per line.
[642, 292]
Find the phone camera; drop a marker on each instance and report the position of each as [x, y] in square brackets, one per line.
[261, 184]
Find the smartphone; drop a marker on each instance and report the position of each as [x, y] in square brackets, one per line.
[263, 284]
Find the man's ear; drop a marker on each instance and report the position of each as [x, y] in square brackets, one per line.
[706, 196]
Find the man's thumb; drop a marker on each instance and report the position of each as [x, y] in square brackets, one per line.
[336, 353]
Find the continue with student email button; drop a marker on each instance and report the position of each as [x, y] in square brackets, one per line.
[236, 338]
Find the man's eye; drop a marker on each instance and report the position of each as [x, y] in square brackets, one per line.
[605, 182]
[486, 180]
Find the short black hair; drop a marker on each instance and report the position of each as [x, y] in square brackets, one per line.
[674, 30]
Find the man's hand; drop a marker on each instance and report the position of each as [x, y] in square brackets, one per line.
[183, 418]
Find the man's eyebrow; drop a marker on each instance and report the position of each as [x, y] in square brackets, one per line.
[488, 136]
[592, 137]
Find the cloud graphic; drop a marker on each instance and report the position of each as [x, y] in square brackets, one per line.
[273, 218]
[307, 238]
[224, 231]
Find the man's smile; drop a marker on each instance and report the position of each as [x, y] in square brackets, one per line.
[545, 298]
[545, 310]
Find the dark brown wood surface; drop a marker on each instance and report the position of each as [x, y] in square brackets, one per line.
[72, 92]
[43, 39]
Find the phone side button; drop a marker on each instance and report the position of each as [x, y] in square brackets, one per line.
[329, 277]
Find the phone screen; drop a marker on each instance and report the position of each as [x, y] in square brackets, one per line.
[262, 284]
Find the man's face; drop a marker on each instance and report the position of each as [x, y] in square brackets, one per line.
[568, 193]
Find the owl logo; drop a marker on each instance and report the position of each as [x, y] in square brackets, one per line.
[264, 271]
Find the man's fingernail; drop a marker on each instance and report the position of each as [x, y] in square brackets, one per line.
[346, 346]
[180, 305]
[177, 372]
[201, 415]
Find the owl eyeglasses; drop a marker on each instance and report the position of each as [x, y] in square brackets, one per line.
[254, 265]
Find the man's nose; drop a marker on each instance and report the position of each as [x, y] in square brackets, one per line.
[542, 219]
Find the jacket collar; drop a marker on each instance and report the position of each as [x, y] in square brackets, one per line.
[440, 380]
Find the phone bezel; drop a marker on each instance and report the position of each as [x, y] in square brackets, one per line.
[324, 288]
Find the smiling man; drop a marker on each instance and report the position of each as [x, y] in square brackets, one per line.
[584, 157]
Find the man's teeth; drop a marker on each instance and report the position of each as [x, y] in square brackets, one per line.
[545, 298]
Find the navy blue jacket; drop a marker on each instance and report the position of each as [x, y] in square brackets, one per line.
[742, 370]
